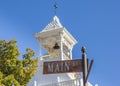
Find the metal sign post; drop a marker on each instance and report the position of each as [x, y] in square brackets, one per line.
[85, 66]
[84, 60]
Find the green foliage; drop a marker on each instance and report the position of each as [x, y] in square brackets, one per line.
[29, 55]
[13, 70]
[9, 80]
[8, 49]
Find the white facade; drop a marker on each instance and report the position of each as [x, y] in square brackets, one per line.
[55, 33]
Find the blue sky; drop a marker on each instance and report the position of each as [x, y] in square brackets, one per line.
[94, 23]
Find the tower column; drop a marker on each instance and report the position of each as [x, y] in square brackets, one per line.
[40, 53]
[71, 54]
[61, 45]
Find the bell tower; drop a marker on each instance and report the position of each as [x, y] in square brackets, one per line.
[56, 41]
[56, 44]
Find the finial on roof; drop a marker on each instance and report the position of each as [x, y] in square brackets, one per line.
[55, 7]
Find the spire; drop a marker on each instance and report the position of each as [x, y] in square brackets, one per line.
[55, 7]
[54, 24]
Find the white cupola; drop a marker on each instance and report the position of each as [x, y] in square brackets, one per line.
[56, 41]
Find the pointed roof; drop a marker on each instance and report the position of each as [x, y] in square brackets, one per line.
[54, 24]
[53, 28]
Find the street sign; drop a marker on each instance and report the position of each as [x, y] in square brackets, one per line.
[65, 66]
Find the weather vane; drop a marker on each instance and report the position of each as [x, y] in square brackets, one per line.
[55, 7]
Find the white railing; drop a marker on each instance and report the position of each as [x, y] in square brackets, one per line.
[48, 57]
[45, 57]
[75, 82]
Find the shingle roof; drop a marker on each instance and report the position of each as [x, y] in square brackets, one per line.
[54, 24]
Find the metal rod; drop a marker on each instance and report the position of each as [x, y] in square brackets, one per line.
[87, 63]
[91, 63]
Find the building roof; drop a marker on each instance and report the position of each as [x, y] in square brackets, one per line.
[54, 24]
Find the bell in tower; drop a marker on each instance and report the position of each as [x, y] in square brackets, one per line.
[56, 46]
